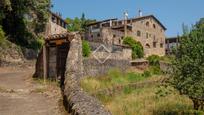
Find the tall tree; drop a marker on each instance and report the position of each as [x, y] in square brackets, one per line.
[15, 23]
[188, 67]
[78, 24]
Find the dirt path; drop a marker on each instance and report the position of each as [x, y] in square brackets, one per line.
[20, 95]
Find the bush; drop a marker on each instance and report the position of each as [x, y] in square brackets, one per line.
[146, 73]
[153, 60]
[137, 49]
[86, 50]
[155, 70]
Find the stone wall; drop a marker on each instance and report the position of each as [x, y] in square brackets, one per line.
[77, 101]
[11, 54]
[92, 68]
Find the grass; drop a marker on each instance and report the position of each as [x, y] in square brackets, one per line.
[140, 101]
[114, 78]
[145, 102]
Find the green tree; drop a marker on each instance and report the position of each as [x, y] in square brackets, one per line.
[188, 67]
[153, 60]
[15, 23]
[137, 49]
[78, 24]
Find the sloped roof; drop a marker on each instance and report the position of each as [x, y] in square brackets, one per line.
[149, 16]
[137, 18]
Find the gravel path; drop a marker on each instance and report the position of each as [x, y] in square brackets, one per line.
[19, 95]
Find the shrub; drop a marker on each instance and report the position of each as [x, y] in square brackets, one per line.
[86, 50]
[153, 60]
[146, 73]
[155, 70]
[137, 49]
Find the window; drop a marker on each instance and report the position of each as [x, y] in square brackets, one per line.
[91, 36]
[138, 33]
[119, 41]
[147, 24]
[154, 26]
[161, 45]
[147, 46]
[98, 35]
[154, 44]
[114, 35]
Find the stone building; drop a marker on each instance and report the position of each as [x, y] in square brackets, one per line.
[148, 30]
[171, 43]
[56, 25]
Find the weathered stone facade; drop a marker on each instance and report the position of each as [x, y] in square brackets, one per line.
[56, 25]
[145, 29]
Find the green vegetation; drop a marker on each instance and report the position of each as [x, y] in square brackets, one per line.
[24, 20]
[78, 24]
[137, 49]
[130, 100]
[188, 67]
[153, 60]
[115, 77]
[86, 50]
[168, 58]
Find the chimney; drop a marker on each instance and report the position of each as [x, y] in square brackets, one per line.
[140, 13]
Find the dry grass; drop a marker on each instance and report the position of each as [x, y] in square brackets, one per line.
[142, 101]
[146, 102]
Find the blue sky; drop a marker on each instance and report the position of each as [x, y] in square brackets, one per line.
[171, 13]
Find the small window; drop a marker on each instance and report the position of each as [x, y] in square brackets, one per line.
[114, 35]
[91, 36]
[154, 44]
[147, 24]
[138, 33]
[119, 41]
[154, 26]
[161, 45]
[147, 46]
[98, 35]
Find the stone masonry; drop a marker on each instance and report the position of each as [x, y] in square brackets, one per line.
[78, 102]
[148, 30]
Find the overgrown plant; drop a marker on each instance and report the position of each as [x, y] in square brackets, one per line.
[86, 50]
[137, 49]
[153, 60]
[188, 67]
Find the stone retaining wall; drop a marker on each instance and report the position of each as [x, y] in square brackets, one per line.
[93, 68]
[77, 101]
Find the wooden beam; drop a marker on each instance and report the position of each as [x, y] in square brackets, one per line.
[44, 63]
